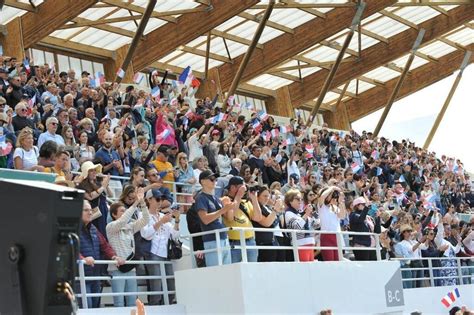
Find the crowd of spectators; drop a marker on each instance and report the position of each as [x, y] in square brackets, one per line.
[233, 168]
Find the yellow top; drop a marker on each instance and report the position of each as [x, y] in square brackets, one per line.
[165, 166]
[53, 170]
[241, 220]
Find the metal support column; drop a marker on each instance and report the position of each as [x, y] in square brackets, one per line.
[337, 62]
[439, 118]
[395, 91]
[136, 38]
[248, 54]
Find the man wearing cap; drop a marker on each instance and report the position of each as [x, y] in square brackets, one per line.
[14, 91]
[209, 210]
[164, 168]
[242, 216]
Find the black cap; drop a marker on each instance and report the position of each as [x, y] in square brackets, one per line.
[163, 149]
[153, 193]
[295, 177]
[206, 174]
[235, 181]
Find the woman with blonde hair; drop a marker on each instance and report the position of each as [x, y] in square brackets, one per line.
[184, 174]
[87, 125]
[25, 156]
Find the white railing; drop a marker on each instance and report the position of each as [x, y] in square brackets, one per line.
[163, 277]
[174, 192]
[294, 247]
[464, 274]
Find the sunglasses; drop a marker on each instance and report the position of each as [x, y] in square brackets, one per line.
[53, 123]
[23, 109]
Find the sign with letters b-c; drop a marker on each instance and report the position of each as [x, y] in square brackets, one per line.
[394, 290]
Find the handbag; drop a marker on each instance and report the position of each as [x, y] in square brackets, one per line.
[127, 267]
[174, 249]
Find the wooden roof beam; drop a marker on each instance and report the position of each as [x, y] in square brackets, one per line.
[296, 5]
[421, 77]
[139, 9]
[380, 54]
[286, 46]
[81, 22]
[20, 5]
[165, 39]
[48, 17]
[202, 53]
[51, 41]
[399, 19]
[307, 10]
[108, 28]
[269, 23]
[234, 38]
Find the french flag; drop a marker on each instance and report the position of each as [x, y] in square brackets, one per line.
[255, 124]
[355, 167]
[285, 129]
[99, 79]
[275, 133]
[138, 77]
[375, 155]
[287, 142]
[165, 134]
[26, 63]
[262, 115]
[32, 101]
[450, 298]
[186, 76]
[155, 92]
[189, 114]
[309, 148]
[120, 73]
[230, 100]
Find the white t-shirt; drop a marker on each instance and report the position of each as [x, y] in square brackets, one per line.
[29, 158]
[329, 220]
[195, 148]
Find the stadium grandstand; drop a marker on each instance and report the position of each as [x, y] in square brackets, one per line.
[212, 143]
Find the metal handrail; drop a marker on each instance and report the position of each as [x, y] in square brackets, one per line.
[83, 278]
[295, 247]
[459, 268]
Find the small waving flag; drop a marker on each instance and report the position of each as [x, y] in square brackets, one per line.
[26, 63]
[375, 155]
[355, 167]
[262, 115]
[249, 106]
[165, 134]
[255, 124]
[155, 92]
[275, 133]
[32, 101]
[5, 147]
[230, 100]
[120, 73]
[186, 76]
[309, 148]
[450, 298]
[283, 129]
[138, 77]
[189, 114]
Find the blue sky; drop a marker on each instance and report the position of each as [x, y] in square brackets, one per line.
[413, 116]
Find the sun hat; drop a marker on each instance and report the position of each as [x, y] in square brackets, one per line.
[405, 227]
[358, 201]
[87, 166]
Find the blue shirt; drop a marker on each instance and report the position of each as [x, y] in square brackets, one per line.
[106, 157]
[46, 136]
[210, 204]
[53, 99]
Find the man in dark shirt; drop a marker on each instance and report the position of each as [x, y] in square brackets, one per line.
[210, 209]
